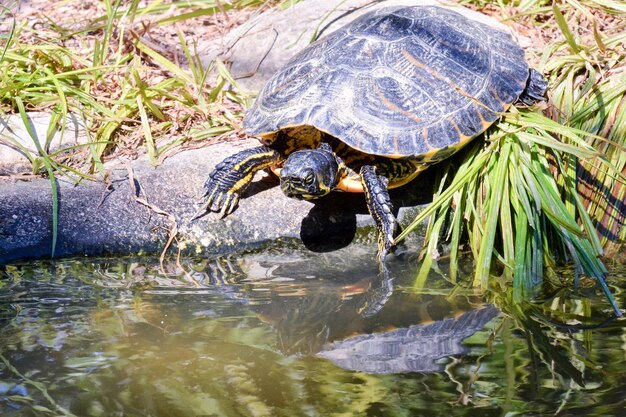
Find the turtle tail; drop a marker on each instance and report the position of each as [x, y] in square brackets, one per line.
[535, 90]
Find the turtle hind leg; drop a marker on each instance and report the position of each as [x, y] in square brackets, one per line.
[231, 177]
[380, 207]
[535, 90]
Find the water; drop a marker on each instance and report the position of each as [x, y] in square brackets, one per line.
[288, 332]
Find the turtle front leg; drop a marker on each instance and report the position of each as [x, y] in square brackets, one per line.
[380, 207]
[231, 177]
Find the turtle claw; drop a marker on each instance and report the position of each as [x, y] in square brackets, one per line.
[385, 242]
[218, 200]
[382, 253]
[218, 189]
[215, 198]
[201, 211]
[233, 203]
[228, 202]
[231, 177]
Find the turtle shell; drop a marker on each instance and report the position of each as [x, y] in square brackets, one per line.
[400, 82]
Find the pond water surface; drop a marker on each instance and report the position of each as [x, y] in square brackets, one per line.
[287, 332]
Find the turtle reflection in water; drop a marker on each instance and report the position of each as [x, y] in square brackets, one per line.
[369, 106]
[413, 349]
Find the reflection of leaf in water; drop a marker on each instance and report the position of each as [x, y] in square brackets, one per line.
[85, 364]
[346, 393]
[187, 402]
[301, 323]
[552, 351]
[53, 338]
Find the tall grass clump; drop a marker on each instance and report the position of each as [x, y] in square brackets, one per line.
[541, 190]
[590, 95]
[132, 96]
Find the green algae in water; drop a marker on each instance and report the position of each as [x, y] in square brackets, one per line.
[279, 333]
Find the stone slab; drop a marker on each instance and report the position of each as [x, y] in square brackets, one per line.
[96, 219]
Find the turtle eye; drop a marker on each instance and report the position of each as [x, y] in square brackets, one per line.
[308, 180]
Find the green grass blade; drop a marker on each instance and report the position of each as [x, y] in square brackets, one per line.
[164, 62]
[483, 263]
[456, 230]
[48, 164]
[473, 167]
[560, 20]
[145, 123]
[9, 36]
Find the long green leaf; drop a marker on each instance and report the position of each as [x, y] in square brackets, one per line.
[560, 20]
[487, 247]
[53, 183]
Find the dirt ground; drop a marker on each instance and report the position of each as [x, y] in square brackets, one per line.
[48, 16]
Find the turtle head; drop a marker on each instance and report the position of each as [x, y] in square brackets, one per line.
[310, 173]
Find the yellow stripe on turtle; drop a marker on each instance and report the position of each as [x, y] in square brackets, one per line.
[251, 160]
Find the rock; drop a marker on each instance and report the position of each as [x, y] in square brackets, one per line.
[258, 48]
[17, 147]
[95, 219]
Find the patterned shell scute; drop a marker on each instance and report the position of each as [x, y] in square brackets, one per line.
[399, 82]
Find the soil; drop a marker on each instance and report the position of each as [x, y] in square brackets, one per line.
[84, 19]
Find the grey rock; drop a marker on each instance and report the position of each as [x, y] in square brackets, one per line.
[17, 147]
[258, 48]
[95, 219]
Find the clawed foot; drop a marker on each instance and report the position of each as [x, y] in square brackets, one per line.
[386, 233]
[220, 202]
[220, 190]
[231, 177]
[380, 207]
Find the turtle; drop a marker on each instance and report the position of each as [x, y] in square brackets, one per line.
[371, 105]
